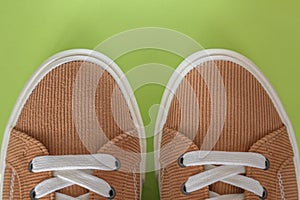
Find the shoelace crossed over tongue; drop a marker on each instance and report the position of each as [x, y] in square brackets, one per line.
[73, 170]
[232, 165]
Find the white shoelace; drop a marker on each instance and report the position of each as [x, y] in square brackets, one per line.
[73, 170]
[232, 166]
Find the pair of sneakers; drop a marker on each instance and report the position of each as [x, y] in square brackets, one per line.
[76, 133]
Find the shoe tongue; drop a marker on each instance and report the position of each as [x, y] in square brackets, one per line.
[222, 189]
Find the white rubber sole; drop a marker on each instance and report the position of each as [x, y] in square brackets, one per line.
[213, 55]
[67, 56]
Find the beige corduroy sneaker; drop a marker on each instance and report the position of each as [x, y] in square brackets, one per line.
[75, 133]
[223, 133]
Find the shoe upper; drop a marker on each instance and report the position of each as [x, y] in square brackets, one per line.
[197, 120]
[76, 109]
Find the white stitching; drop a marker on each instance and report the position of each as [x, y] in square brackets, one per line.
[281, 186]
[12, 185]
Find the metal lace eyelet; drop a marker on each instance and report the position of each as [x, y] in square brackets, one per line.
[30, 167]
[118, 164]
[183, 189]
[264, 195]
[112, 193]
[180, 161]
[267, 164]
[33, 194]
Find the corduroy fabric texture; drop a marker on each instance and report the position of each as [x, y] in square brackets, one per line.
[280, 178]
[68, 117]
[250, 116]
[172, 176]
[18, 180]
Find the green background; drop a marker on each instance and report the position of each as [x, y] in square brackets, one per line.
[266, 31]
